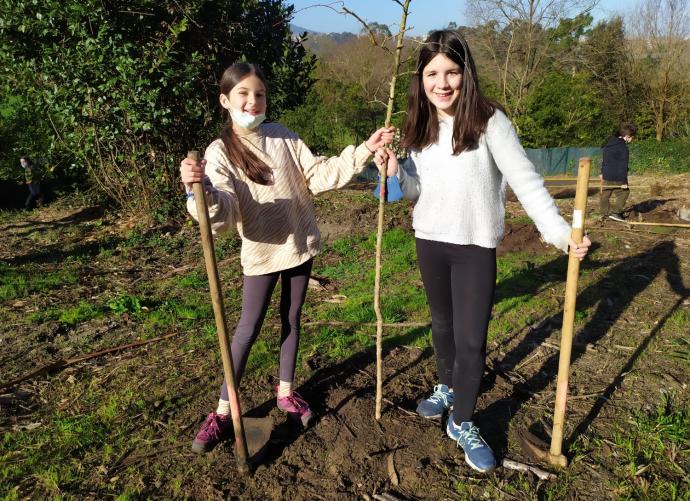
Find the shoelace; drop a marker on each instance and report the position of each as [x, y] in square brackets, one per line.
[471, 437]
[295, 400]
[439, 396]
[212, 427]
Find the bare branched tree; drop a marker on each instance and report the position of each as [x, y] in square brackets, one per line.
[519, 37]
[660, 58]
[381, 38]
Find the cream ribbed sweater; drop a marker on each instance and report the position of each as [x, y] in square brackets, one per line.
[277, 223]
[461, 199]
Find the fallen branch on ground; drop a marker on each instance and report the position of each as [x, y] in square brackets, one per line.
[515, 465]
[63, 363]
[337, 323]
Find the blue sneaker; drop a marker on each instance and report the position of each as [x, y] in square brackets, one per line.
[439, 402]
[478, 454]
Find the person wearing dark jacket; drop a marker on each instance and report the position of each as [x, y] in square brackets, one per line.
[614, 173]
[30, 175]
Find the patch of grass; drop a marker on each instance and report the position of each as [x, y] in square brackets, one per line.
[226, 245]
[193, 280]
[519, 278]
[679, 318]
[20, 282]
[204, 337]
[683, 349]
[82, 312]
[652, 448]
[170, 312]
[612, 240]
[402, 296]
[125, 303]
[520, 219]
[51, 454]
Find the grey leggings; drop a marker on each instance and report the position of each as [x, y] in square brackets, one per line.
[256, 296]
[459, 281]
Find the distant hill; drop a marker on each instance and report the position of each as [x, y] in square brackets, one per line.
[298, 30]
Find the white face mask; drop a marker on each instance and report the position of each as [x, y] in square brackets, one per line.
[246, 120]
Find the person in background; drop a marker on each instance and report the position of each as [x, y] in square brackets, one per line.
[31, 177]
[614, 173]
[463, 152]
[258, 179]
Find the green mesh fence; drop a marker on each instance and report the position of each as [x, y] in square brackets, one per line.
[563, 161]
[548, 161]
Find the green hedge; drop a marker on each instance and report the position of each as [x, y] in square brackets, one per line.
[667, 157]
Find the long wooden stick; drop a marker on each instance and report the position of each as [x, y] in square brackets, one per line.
[669, 225]
[555, 455]
[382, 202]
[241, 451]
[63, 363]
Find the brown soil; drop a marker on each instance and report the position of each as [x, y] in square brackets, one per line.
[633, 282]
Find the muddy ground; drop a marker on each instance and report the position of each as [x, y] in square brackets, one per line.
[634, 282]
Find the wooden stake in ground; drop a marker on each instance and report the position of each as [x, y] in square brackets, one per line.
[531, 444]
[382, 201]
[241, 451]
[579, 212]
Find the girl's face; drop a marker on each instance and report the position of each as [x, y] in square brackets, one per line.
[248, 96]
[442, 79]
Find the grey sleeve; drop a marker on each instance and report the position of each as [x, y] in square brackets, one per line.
[409, 179]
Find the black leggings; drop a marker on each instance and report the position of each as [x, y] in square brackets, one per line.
[459, 281]
[256, 296]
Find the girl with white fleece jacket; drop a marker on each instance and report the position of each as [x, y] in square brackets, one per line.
[463, 151]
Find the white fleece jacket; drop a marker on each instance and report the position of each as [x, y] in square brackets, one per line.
[461, 199]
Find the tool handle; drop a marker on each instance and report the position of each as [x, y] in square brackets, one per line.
[577, 234]
[241, 451]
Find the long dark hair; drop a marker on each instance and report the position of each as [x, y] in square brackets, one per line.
[472, 111]
[241, 156]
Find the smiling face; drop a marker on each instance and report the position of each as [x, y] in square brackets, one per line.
[248, 96]
[442, 79]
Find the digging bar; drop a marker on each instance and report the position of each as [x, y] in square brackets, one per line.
[531, 444]
[249, 447]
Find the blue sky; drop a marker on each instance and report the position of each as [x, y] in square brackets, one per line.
[425, 15]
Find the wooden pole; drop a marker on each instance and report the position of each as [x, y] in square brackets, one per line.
[579, 212]
[379, 231]
[669, 225]
[241, 451]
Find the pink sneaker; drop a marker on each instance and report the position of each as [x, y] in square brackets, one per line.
[296, 408]
[215, 429]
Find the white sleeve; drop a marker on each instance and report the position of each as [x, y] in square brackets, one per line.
[528, 185]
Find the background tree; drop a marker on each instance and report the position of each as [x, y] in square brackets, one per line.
[124, 88]
[518, 41]
[604, 57]
[660, 57]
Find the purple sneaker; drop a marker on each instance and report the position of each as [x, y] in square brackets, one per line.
[296, 408]
[215, 429]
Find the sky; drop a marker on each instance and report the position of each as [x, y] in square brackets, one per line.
[425, 15]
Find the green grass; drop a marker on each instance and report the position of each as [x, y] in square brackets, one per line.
[650, 449]
[82, 312]
[65, 453]
[22, 281]
[402, 296]
[70, 447]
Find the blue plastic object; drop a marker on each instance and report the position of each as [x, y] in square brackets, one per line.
[393, 190]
